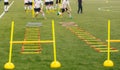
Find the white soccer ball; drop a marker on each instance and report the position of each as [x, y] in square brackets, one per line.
[59, 13]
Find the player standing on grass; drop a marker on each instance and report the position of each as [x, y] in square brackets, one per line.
[6, 4]
[47, 5]
[57, 3]
[38, 8]
[65, 8]
[51, 5]
[25, 5]
[30, 4]
[80, 9]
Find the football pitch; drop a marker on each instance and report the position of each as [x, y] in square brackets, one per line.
[72, 52]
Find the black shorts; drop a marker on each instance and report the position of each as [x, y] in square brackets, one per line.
[37, 9]
[47, 3]
[58, 1]
[6, 3]
[26, 4]
[63, 10]
[29, 3]
[51, 2]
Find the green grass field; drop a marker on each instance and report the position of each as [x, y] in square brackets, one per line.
[73, 53]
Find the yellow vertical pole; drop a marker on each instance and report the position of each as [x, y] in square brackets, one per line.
[11, 39]
[55, 63]
[33, 13]
[54, 44]
[108, 40]
[9, 64]
[108, 62]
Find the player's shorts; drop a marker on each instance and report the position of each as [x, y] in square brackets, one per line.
[63, 10]
[58, 1]
[6, 3]
[29, 3]
[47, 3]
[26, 4]
[37, 9]
[51, 2]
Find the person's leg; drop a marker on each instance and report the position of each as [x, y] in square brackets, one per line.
[43, 14]
[81, 8]
[78, 9]
[69, 13]
[6, 6]
[30, 6]
[25, 6]
[36, 12]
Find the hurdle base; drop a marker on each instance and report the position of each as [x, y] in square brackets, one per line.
[9, 66]
[55, 64]
[108, 63]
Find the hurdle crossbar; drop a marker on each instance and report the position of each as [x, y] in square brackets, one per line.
[29, 42]
[114, 40]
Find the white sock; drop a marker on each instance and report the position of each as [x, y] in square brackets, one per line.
[46, 8]
[43, 14]
[30, 7]
[4, 8]
[7, 8]
[25, 7]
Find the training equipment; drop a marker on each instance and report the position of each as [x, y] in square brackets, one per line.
[32, 33]
[33, 13]
[54, 64]
[9, 64]
[108, 62]
[88, 38]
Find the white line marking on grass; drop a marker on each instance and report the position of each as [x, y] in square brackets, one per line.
[4, 11]
[111, 9]
[2, 14]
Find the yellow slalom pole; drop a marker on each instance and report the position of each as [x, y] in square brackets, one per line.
[55, 63]
[108, 40]
[33, 13]
[108, 62]
[54, 44]
[11, 39]
[9, 64]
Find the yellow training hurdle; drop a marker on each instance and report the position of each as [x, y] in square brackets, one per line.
[21, 42]
[54, 64]
[114, 40]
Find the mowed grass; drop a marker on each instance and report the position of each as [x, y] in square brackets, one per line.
[1, 6]
[73, 53]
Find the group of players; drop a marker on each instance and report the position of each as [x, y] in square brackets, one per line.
[28, 4]
[63, 5]
[49, 5]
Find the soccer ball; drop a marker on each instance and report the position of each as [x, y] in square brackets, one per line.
[59, 13]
